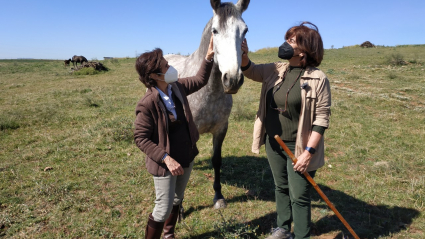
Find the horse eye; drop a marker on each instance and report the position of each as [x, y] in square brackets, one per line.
[214, 31]
[246, 30]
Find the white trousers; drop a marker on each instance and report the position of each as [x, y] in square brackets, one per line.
[169, 192]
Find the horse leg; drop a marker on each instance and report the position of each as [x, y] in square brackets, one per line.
[218, 138]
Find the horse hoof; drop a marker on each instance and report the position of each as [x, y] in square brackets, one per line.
[220, 204]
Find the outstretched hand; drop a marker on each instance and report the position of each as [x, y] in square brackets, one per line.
[210, 52]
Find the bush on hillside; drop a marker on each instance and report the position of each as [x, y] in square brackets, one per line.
[86, 71]
[8, 124]
[396, 59]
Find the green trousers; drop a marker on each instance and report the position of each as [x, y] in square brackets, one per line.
[292, 190]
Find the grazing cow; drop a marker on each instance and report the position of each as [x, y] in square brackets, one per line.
[78, 59]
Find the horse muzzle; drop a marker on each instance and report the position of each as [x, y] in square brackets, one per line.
[232, 84]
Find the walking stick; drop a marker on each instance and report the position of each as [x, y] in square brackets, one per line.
[310, 179]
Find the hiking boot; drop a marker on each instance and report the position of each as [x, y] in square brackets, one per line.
[279, 233]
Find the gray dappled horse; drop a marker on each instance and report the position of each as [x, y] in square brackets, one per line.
[212, 104]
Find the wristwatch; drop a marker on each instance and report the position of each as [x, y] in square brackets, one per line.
[310, 150]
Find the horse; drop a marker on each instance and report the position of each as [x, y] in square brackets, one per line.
[78, 59]
[211, 105]
[66, 62]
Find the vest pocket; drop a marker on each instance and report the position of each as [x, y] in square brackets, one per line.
[310, 97]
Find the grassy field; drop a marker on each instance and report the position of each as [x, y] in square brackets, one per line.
[69, 167]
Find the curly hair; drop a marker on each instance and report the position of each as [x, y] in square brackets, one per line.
[147, 63]
[309, 41]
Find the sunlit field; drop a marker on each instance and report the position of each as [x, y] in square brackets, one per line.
[69, 167]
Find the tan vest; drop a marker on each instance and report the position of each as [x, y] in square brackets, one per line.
[315, 106]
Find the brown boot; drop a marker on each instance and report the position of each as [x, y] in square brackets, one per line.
[153, 228]
[170, 224]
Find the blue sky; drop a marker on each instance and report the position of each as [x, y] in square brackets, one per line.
[60, 29]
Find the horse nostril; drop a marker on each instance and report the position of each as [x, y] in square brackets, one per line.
[241, 80]
[226, 81]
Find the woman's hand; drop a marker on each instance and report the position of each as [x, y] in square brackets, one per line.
[210, 52]
[304, 159]
[174, 167]
[245, 58]
[302, 162]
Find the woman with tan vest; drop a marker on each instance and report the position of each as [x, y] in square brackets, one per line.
[294, 104]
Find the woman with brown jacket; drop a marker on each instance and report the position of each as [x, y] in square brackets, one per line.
[166, 133]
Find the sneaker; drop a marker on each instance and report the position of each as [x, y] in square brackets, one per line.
[279, 233]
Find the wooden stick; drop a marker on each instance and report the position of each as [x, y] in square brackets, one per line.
[310, 179]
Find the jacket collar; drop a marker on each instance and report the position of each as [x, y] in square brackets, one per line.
[310, 72]
[282, 68]
[155, 95]
[174, 88]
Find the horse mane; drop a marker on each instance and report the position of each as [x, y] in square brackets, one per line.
[225, 11]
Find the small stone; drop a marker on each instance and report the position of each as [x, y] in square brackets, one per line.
[47, 169]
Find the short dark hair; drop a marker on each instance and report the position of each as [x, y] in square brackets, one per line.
[309, 41]
[147, 63]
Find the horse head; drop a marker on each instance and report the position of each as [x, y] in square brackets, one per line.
[229, 31]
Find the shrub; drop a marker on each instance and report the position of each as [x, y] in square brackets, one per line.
[86, 71]
[6, 124]
[91, 102]
[85, 91]
[396, 59]
[392, 75]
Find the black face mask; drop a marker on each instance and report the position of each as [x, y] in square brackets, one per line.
[286, 51]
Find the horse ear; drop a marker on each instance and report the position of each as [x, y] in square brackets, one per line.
[215, 4]
[242, 5]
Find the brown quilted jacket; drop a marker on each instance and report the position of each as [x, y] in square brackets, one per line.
[151, 124]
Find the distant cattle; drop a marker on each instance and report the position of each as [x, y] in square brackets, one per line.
[78, 59]
[66, 62]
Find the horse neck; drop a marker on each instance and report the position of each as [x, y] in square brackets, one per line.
[201, 52]
[214, 83]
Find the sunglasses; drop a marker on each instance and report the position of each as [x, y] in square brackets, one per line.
[287, 92]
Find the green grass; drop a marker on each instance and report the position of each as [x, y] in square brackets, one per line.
[97, 187]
